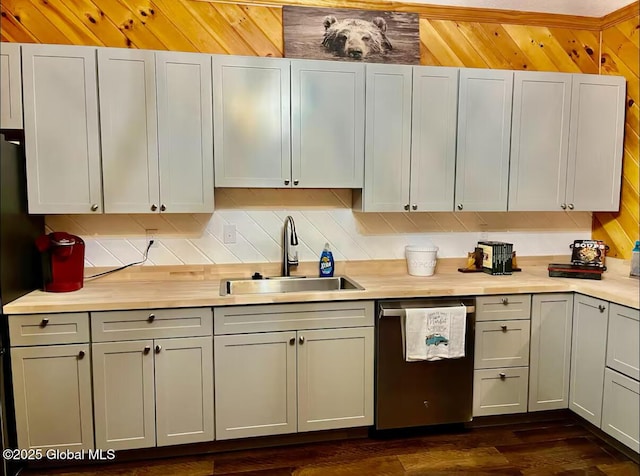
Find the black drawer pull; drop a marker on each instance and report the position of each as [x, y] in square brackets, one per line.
[44, 322]
[502, 375]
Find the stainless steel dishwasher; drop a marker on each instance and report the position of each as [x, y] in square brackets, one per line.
[410, 394]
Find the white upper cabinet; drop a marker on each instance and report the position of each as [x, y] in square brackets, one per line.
[539, 141]
[596, 141]
[410, 145]
[129, 125]
[185, 132]
[10, 86]
[433, 140]
[327, 124]
[252, 122]
[484, 132]
[388, 138]
[61, 129]
[156, 121]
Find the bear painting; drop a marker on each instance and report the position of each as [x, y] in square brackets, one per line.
[351, 35]
[355, 38]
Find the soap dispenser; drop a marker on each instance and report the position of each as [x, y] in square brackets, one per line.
[326, 262]
[635, 260]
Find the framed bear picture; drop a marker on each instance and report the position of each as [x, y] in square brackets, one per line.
[351, 35]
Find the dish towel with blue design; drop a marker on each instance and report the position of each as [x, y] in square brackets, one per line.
[434, 333]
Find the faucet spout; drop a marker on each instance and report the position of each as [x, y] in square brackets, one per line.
[290, 240]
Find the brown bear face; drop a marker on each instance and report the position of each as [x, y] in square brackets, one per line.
[355, 38]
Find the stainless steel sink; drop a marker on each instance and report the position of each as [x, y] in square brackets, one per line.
[292, 284]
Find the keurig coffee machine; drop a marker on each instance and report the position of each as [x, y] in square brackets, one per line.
[62, 261]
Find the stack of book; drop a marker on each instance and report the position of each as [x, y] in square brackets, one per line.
[497, 257]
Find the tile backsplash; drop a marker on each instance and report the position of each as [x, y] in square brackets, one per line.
[321, 216]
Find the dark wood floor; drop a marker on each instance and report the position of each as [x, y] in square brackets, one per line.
[563, 447]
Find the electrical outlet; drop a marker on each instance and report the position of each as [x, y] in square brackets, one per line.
[152, 234]
[484, 234]
[229, 234]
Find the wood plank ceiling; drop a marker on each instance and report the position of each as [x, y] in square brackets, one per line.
[502, 40]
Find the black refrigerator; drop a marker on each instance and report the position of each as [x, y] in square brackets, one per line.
[20, 270]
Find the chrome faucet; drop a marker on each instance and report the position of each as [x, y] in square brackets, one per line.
[289, 257]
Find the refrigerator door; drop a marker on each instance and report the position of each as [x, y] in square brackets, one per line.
[20, 269]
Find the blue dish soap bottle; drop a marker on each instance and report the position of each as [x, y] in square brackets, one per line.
[326, 262]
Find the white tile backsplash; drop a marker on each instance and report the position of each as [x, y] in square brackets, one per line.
[259, 236]
[321, 216]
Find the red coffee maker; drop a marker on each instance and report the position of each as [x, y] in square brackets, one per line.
[62, 261]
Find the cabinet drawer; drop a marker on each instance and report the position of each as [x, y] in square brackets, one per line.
[502, 344]
[621, 409]
[151, 324]
[287, 317]
[500, 391]
[623, 342]
[46, 329]
[505, 306]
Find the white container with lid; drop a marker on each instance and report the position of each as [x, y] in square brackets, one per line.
[421, 260]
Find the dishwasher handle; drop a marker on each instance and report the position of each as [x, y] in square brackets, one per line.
[399, 312]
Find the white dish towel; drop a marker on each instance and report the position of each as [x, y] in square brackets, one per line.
[434, 333]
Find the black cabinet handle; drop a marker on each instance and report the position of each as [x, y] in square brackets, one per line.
[81, 354]
[44, 322]
[151, 318]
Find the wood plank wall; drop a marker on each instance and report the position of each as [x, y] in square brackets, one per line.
[449, 37]
[620, 56]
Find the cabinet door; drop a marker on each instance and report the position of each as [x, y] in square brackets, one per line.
[52, 393]
[623, 340]
[551, 324]
[388, 138]
[433, 139]
[539, 140]
[184, 390]
[335, 378]
[255, 384]
[502, 344]
[10, 86]
[62, 137]
[484, 132]
[596, 142]
[621, 409]
[252, 121]
[588, 346]
[128, 122]
[123, 386]
[185, 132]
[327, 124]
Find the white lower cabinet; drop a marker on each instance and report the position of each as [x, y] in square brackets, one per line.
[502, 344]
[550, 361]
[500, 391]
[52, 392]
[335, 378]
[149, 392]
[501, 356]
[301, 378]
[588, 351]
[621, 409]
[255, 384]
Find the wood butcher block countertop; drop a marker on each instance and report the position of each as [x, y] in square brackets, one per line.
[150, 287]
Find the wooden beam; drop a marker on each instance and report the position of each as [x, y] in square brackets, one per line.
[442, 12]
[624, 14]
